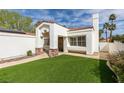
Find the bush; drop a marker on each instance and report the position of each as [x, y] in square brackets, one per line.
[117, 63]
[29, 53]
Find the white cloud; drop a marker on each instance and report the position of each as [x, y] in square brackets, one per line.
[104, 16]
[79, 17]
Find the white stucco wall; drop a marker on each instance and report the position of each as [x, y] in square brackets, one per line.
[116, 47]
[77, 48]
[92, 37]
[104, 46]
[39, 36]
[89, 41]
[95, 20]
[54, 30]
[113, 47]
[13, 45]
[58, 31]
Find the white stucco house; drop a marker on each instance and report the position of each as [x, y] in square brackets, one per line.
[52, 38]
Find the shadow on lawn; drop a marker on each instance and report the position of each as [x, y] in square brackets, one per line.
[106, 75]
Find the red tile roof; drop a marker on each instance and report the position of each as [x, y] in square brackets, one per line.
[70, 29]
[80, 28]
[40, 22]
[16, 32]
[11, 31]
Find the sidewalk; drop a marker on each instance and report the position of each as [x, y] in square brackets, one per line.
[7, 64]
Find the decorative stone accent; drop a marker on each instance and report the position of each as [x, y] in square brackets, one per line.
[39, 51]
[53, 52]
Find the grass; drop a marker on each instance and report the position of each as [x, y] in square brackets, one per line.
[62, 68]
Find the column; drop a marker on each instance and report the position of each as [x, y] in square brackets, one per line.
[65, 45]
[39, 42]
[53, 51]
[89, 43]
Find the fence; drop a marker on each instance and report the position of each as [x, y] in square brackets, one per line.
[111, 47]
[12, 45]
[116, 46]
[104, 46]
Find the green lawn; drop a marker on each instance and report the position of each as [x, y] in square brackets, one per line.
[62, 68]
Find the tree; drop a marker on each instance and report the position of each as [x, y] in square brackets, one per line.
[14, 21]
[106, 27]
[112, 17]
[118, 38]
[112, 27]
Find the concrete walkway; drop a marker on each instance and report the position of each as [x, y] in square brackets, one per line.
[7, 64]
[82, 55]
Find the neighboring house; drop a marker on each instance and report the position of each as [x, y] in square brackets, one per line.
[52, 38]
[104, 40]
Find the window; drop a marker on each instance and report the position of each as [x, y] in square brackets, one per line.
[78, 41]
[72, 41]
[81, 41]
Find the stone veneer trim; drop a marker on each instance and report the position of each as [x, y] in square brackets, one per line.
[53, 52]
[38, 51]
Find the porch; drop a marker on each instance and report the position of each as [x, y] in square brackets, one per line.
[50, 40]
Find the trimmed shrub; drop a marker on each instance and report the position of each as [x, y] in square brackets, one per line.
[117, 63]
[29, 53]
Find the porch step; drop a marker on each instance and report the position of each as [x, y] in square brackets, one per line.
[45, 54]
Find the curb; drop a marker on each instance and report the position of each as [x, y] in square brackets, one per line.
[108, 64]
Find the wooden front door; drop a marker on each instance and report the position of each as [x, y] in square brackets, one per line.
[60, 43]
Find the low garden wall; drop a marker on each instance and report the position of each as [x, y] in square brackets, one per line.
[115, 47]
[111, 47]
[13, 45]
[104, 46]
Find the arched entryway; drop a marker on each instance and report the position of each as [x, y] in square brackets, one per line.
[46, 44]
[50, 38]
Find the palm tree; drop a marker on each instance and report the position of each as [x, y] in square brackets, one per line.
[112, 17]
[112, 27]
[106, 28]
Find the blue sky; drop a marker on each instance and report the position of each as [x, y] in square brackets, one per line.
[75, 17]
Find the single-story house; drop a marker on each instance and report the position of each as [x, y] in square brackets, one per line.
[52, 38]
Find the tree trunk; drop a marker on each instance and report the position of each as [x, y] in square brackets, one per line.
[106, 36]
[110, 36]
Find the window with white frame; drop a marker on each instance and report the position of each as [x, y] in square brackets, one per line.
[81, 41]
[73, 41]
[78, 41]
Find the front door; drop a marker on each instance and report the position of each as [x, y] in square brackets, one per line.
[60, 43]
[46, 45]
